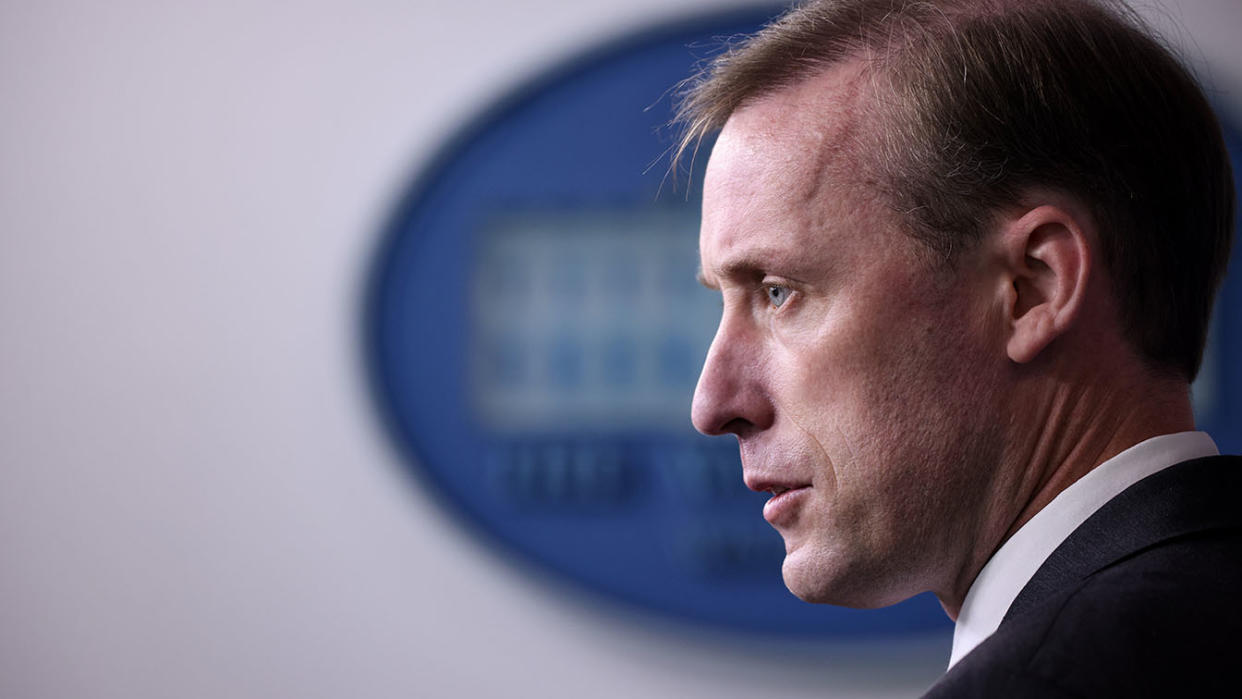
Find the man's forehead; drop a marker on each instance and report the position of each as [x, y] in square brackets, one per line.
[785, 160]
[825, 107]
[801, 134]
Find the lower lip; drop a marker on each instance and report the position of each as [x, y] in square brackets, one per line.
[780, 509]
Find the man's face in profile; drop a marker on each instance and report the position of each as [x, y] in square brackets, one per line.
[852, 367]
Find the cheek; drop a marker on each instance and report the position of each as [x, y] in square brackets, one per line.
[873, 386]
[841, 353]
[838, 385]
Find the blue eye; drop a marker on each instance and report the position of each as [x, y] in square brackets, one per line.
[777, 295]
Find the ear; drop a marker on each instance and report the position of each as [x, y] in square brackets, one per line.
[1046, 261]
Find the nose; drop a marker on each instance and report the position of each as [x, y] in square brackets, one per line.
[730, 397]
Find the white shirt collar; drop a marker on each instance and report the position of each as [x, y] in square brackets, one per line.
[1013, 565]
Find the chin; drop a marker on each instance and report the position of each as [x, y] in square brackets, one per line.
[820, 580]
[816, 579]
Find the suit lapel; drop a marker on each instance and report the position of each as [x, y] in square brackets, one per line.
[1182, 500]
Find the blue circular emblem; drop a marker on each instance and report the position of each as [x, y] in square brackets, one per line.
[535, 333]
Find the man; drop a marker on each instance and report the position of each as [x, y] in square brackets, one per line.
[967, 251]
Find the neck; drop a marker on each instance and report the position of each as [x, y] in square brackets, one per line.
[1065, 430]
[1087, 427]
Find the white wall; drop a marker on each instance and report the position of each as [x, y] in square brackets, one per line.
[195, 497]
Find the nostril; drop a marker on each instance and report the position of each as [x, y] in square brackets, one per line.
[729, 397]
[738, 426]
[728, 408]
[716, 418]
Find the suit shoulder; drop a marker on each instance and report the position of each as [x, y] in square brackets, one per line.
[1165, 620]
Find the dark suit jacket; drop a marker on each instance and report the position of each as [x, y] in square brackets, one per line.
[1143, 600]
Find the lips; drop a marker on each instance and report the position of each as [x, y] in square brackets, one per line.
[787, 496]
[768, 484]
[782, 508]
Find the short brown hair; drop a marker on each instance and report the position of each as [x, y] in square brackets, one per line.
[986, 100]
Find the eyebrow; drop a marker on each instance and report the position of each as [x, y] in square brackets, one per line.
[701, 279]
[748, 267]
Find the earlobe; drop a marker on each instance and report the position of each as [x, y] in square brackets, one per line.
[1047, 257]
